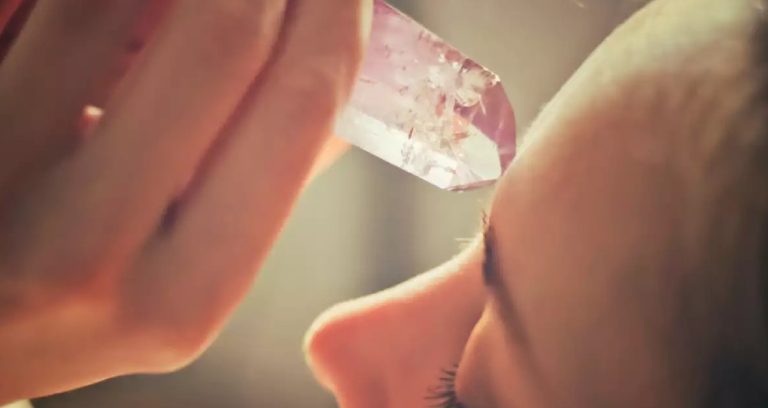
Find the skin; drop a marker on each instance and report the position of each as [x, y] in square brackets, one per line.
[129, 234]
[598, 227]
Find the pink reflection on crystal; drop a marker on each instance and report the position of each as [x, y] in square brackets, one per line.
[423, 106]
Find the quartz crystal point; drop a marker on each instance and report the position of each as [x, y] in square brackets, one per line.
[423, 106]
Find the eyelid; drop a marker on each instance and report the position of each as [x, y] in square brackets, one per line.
[489, 264]
[498, 287]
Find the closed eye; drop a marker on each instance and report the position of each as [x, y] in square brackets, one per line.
[490, 265]
[498, 285]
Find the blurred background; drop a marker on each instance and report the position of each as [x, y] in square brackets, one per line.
[365, 225]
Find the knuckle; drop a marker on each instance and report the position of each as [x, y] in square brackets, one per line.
[234, 26]
[164, 357]
[313, 89]
[352, 32]
[50, 278]
[171, 332]
[243, 14]
[168, 347]
[332, 48]
[147, 349]
[341, 53]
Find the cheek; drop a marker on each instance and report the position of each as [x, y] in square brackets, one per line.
[585, 243]
[387, 349]
[497, 372]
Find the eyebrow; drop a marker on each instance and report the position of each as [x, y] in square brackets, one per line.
[499, 288]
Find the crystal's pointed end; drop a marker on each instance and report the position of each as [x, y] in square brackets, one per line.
[423, 106]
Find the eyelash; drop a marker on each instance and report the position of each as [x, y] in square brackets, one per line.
[488, 244]
[444, 395]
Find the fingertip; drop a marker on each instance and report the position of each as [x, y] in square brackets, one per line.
[366, 21]
[331, 152]
[330, 344]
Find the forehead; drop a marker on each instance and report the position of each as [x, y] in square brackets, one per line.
[602, 172]
[588, 216]
[642, 98]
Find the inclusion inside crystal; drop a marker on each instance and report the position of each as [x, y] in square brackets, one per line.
[425, 107]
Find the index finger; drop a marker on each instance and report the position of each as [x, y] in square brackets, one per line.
[113, 191]
[192, 278]
[333, 149]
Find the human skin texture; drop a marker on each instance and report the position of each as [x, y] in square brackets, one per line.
[599, 283]
[151, 152]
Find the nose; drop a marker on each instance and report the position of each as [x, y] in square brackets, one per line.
[388, 349]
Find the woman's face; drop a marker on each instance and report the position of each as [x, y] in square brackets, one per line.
[576, 299]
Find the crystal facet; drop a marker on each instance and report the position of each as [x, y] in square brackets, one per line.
[425, 107]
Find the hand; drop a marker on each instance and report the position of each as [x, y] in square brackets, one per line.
[126, 239]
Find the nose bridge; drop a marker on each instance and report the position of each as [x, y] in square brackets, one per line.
[405, 334]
